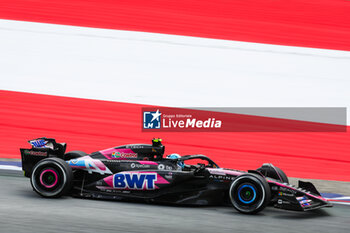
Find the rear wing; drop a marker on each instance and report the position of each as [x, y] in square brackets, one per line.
[41, 148]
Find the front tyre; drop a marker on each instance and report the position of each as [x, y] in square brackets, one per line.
[249, 193]
[51, 177]
[268, 170]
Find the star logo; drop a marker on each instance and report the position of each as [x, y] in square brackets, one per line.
[151, 120]
[156, 115]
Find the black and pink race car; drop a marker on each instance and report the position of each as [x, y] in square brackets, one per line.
[141, 172]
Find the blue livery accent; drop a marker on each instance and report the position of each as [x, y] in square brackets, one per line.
[38, 143]
[251, 188]
[77, 163]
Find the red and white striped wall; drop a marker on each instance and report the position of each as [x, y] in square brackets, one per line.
[80, 71]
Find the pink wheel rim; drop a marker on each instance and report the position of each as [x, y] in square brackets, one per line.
[41, 178]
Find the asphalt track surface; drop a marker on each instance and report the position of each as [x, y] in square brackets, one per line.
[22, 210]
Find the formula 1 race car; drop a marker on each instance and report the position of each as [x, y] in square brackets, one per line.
[140, 172]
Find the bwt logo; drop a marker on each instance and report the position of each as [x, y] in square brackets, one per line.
[151, 120]
[135, 181]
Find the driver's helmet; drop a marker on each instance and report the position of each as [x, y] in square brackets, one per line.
[180, 164]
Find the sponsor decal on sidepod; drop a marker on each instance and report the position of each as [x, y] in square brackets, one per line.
[135, 181]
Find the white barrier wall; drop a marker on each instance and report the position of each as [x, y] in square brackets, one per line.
[168, 70]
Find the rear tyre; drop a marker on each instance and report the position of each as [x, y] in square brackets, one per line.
[51, 177]
[249, 193]
[74, 155]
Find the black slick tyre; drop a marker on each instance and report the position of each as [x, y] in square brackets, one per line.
[51, 177]
[74, 155]
[283, 177]
[249, 193]
[268, 170]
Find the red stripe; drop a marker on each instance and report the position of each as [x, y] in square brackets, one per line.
[92, 125]
[307, 23]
